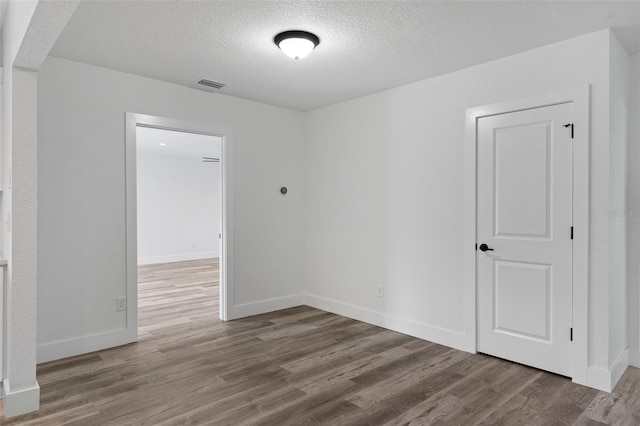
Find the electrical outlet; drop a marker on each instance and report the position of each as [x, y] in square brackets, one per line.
[193, 245]
[121, 304]
[380, 292]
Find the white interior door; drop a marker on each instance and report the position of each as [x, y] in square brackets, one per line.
[524, 216]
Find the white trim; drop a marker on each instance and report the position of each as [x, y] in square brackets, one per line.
[178, 258]
[580, 99]
[580, 271]
[264, 306]
[22, 401]
[618, 367]
[599, 378]
[442, 336]
[634, 358]
[4, 339]
[469, 238]
[82, 345]
[606, 379]
[226, 267]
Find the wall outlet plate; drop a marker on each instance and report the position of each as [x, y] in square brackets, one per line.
[121, 304]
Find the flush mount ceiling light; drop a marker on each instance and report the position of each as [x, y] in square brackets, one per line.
[296, 44]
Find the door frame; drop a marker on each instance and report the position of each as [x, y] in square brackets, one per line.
[132, 121]
[580, 269]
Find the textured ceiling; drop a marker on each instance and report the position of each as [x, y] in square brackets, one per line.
[366, 46]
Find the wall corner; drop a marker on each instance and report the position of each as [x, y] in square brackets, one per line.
[22, 401]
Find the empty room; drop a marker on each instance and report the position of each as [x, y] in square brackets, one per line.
[320, 212]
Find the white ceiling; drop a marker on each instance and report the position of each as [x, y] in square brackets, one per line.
[366, 46]
[177, 144]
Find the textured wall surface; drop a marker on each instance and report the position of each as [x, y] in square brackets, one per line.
[22, 284]
[47, 22]
[618, 134]
[19, 304]
[178, 207]
[385, 186]
[81, 179]
[30, 29]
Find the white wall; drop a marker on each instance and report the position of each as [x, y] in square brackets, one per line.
[618, 133]
[385, 191]
[178, 206]
[81, 181]
[20, 386]
[633, 208]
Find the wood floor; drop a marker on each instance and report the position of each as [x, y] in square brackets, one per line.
[300, 366]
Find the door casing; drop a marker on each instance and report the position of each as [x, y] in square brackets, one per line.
[579, 97]
[132, 121]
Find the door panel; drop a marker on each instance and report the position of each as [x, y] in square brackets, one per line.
[524, 215]
[522, 292]
[522, 166]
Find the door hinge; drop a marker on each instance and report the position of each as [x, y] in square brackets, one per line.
[571, 334]
[572, 232]
[569, 125]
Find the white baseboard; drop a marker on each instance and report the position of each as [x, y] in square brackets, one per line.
[606, 379]
[634, 358]
[21, 401]
[618, 367]
[264, 306]
[84, 344]
[599, 378]
[420, 330]
[178, 257]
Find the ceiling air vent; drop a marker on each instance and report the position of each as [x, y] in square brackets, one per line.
[208, 85]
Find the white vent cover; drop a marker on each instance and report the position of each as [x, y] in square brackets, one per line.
[208, 85]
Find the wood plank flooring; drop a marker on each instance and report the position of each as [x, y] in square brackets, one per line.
[300, 366]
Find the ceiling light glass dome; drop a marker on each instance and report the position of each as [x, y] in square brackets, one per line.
[296, 44]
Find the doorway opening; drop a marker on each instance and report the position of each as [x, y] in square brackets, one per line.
[178, 221]
[179, 215]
